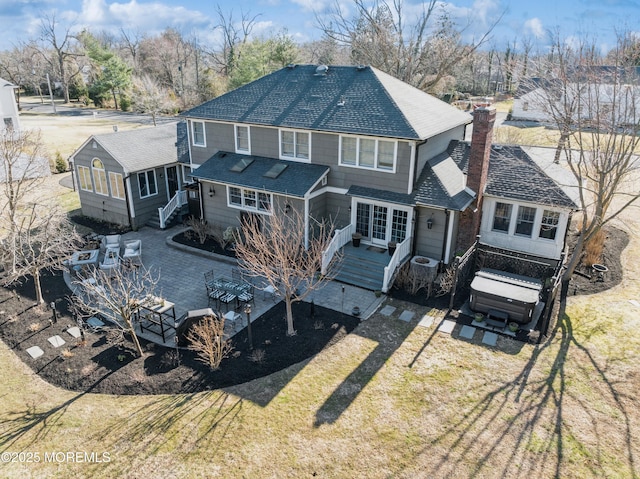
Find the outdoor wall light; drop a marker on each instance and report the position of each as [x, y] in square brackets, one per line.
[287, 208]
[430, 223]
[212, 192]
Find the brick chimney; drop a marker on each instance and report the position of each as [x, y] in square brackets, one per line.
[483, 120]
[469, 224]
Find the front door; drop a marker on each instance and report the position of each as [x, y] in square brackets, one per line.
[173, 184]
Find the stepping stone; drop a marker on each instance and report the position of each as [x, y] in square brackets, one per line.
[74, 331]
[406, 315]
[426, 321]
[35, 352]
[94, 322]
[635, 303]
[490, 338]
[447, 326]
[387, 310]
[467, 332]
[56, 341]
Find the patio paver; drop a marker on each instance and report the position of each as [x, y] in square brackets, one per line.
[388, 310]
[447, 326]
[35, 352]
[74, 331]
[426, 321]
[467, 332]
[406, 315]
[56, 341]
[490, 338]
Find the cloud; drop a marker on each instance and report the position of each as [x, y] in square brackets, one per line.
[534, 27]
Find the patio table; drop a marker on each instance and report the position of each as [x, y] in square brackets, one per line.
[235, 288]
[81, 259]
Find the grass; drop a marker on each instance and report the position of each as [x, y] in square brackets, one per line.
[392, 400]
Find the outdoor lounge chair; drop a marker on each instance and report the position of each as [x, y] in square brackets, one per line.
[111, 261]
[133, 252]
[110, 241]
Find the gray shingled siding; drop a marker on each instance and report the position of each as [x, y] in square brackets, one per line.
[337, 206]
[145, 208]
[436, 145]
[429, 242]
[325, 151]
[264, 142]
[97, 206]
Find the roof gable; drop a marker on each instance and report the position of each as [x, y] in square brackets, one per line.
[141, 149]
[341, 99]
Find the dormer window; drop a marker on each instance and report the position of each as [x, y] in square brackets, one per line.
[294, 145]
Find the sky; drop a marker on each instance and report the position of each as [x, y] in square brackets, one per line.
[598, 20]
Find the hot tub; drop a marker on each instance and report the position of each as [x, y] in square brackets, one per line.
[513, 294]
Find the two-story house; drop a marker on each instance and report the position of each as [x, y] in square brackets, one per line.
[349, 143]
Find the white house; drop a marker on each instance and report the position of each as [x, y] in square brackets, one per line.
[8, 106]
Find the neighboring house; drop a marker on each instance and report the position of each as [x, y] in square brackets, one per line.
[528, 102]
[126, 176]
[353, 144]
[8, 106]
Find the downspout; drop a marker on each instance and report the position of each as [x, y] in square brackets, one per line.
[200, 199]
[446, 232]
[125, 183]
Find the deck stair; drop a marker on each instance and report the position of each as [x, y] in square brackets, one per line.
[363, 267]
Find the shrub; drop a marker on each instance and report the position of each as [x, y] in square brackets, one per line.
[200, 227]
[593, 249]
[208, 341]
[61, 164]
[257, 356]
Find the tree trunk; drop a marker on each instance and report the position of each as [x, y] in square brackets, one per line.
[574, 259]
[38, 287]
[115, 99]
[134, 337]
[290, 330]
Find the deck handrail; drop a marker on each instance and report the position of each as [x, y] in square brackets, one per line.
[177, 201]
[402, 251]
[340, 238]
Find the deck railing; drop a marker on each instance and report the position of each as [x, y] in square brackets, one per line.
[402, 251]
[178, 200]
[340, 238]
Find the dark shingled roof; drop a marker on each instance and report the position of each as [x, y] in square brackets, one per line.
[514, 175]
[295, 180]
[344, 99]
[382, 195]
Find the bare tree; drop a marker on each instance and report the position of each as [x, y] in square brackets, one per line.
[208, 340]
[234, 35]
[63, 50]
[21, 176]
[45, 238]
[116, 295]
[421, 50]
[275, 250]
[596, 107]
[149, 97]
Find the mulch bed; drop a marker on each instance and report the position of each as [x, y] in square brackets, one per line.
[98, 365]
[189, 238]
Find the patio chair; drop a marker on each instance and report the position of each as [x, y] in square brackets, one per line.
[269, 291]
[227, 298]
[110, 241]
[111, 262]
[133, 252]
[208, 281]
[235, 275]
[247, 296]
[214, 295]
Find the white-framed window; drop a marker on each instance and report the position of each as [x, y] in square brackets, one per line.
[526, 218]
[84, 178]
[117, 185]
[502, 217]
[243, 140]
[197, 133]
[370, 153]
[295, 145]
[248, 199]
[147, 183]
[99, 177]
[549, 224]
